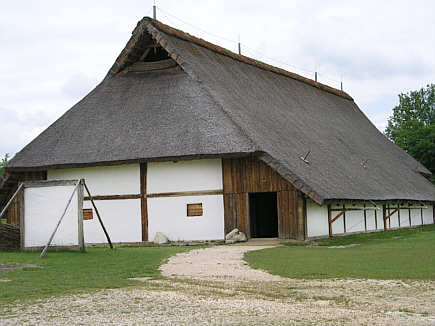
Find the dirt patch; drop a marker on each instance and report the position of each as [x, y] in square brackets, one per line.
[4, 268]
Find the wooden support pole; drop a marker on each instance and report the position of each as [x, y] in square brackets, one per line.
[384, 212]
[22, 223]
[365, 218]
[344, 218]
[336, 217]
[81, 238]
[44, 251]
[376, 219]
[409, 215]
[398, 213]
[4, 210]
[98, 215]
[329, 220]
[421, 215]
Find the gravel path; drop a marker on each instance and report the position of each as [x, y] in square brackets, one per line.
[213, 286]
[216, 263]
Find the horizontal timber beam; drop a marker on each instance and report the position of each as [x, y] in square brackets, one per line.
[157, 195]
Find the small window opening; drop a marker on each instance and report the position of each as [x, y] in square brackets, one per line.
[194, 209]
[88, 214]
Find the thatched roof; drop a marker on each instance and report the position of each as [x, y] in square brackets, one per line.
[216, 103]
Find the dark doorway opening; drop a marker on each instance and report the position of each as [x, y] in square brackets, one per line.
[263, 213]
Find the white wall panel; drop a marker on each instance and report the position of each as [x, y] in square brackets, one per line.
[103, 180]
[371, 221]
[380, 219]
[169, 216]
[43, 207]
[355, 220]
[428, 215]
[415, 217]
[122, 219]
[193, 175]
[404, 218]
[317, 220]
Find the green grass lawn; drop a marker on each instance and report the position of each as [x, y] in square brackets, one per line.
[401, 254]
[70, 271]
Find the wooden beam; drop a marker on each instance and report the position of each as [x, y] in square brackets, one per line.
[81, 237]
[143, 201]
[22, 224]
[336, 217]
[384, 213]
[186, 193]
[113, 197]
[398, 213]
[144, 55]
[409, 216]
[365, 218]
[329, 220]
[376, 219]
[391, 213]
[11, 200]
[344, 218]
[355, 209]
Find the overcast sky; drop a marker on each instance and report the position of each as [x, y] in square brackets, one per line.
[54, 52]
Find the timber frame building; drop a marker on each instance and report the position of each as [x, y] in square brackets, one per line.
[189, 139]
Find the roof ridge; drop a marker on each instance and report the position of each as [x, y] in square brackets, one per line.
[216, 48]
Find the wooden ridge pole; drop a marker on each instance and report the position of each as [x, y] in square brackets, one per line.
[98, 214]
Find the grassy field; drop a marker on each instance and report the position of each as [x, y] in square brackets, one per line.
[70, 271]
[401, 254]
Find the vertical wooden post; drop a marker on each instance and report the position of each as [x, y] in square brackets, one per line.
[22, 224]
[421, 215]
[384, 213]
[329, 220]
[143, 200]
[398, 213]
[389, 216]
[365, 218]
[344, 218]
[81, 237]
[409, 215]
[376, 218]
[433, 212]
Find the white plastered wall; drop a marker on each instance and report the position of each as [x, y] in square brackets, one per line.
[122, 218]
[317, 219]
[195, 175]
[169, 214]
[43, 207]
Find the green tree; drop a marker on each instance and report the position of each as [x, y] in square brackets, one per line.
[412, 126]
[3, 163]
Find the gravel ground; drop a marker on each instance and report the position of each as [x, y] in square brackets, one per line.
[214, 287]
